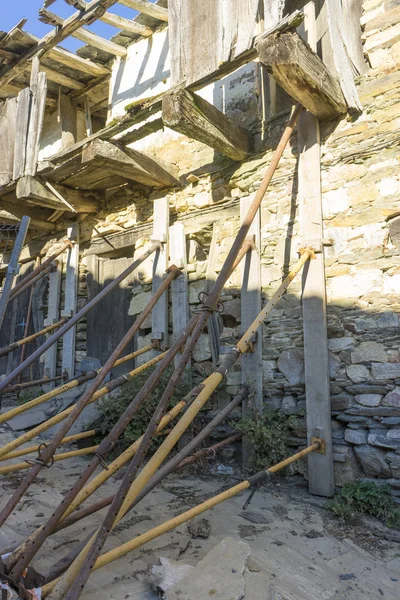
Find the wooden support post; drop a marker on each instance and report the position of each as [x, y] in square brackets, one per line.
[53, 312]
[250, 300]
[316, 357]
[70, 302]
[179, 286]
[38, 86]
[214, 325]
[88, 117]
[302, 74]
[23, 110]
[159, 327]
[196, 118]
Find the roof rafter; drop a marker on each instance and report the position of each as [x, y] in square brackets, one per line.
[115, 20]
[94, 10]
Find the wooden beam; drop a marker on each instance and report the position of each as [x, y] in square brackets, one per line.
[316, 356]
[54, 37]
[196, 118]
[35, 191]
[250, 307]
[23, 111]
[10, 213]
[179, 286]
[60, 78]
[116, 20]
[214, 325]
[53, 312]
[85, 65]
[70, 301]
[84, 35]
[159, 315]
[302, 74]
[337, 32]
[8, 128]
[38, 87]
[147, 8]
[128, 163]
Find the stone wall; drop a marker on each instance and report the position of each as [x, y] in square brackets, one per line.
[361, 204]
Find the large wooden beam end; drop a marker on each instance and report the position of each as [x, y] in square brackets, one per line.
[196, 118]
[302, 74]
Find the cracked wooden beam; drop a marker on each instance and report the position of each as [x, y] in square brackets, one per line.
[128, 163]
[302, 74]
[35, 191]
[196, 118]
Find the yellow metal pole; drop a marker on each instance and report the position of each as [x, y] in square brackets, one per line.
[64, 388]
[122, 459]
[152, 534]
[62, 456]
[66, 440]
[209, 385]
[26, 437]
[30, 338]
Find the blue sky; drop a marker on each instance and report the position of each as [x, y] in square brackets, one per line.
[15, 10]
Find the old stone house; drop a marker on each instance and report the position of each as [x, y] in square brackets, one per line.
[120, 158]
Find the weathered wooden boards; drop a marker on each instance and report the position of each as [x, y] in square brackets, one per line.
[179, 286]
[196, 118]
[128, 164]
[8, 127]
[70, 300]
[159, 315]
[316, 357]
[250, 307]
[302, 74]
[53, 312]
[214, 324]
[55, 36]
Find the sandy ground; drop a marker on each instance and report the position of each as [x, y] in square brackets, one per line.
[299, 551]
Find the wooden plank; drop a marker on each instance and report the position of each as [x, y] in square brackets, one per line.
[335, 19]
[8, 120]
[13, 213]
[31, 190]
[129, 163]
[23, 110]
[352, 11]
[36, 117]
[53, 311]
[302, 74]
[55, 36]
[179, 286]
[83, 34]
[85, 65]
[60, 78]
[250, 307]
[159, 323]
[147, 8]
[70, 300]
[316, 357]
[88, 117]
[196, 118]
[68, 122]
[116, 20]
[246, 26]
[214, 324]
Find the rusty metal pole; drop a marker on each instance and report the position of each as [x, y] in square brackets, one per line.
[209, 306]
[48, 453]
[39, 276]
[27, 326]
[30, 338]
[40, 268]
[77, 317]
[27, 384]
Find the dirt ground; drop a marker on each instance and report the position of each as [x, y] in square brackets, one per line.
[299, 551]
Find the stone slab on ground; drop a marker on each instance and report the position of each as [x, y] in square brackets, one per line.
[219, 575]
[169, 573]
[39, 414]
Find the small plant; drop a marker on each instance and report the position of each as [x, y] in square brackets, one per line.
[364, 497]
[29, 394]
[267, 433]
[111, 408]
